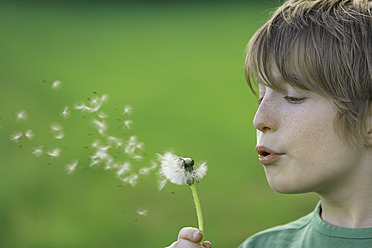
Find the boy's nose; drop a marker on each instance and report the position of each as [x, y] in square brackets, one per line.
[264, 119]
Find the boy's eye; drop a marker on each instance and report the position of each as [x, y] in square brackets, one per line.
[294, 100]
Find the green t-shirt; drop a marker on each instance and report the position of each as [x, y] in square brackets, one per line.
[311, 231]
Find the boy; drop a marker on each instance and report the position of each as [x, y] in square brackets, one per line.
[312, 63]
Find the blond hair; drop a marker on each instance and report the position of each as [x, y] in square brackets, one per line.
[324, 46]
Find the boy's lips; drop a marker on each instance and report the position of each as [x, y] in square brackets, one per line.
[266, 155]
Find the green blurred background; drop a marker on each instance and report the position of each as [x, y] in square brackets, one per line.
[181, 66]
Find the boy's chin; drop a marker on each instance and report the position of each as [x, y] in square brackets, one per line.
[285, 188]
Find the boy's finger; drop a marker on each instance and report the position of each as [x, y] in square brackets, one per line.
[184, 243]
[190, 233]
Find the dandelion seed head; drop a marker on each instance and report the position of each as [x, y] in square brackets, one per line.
[56, 85]
[180, 170]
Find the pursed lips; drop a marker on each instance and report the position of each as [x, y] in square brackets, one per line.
[267, 156]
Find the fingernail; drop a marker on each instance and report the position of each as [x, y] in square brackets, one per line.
[195, 234]
[207, 245]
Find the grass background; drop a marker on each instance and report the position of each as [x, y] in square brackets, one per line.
[181, 66]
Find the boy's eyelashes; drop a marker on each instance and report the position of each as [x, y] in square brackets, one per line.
[294, 100]
[290, 99]
[259, 100]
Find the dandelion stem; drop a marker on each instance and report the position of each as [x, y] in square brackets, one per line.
[198, 207]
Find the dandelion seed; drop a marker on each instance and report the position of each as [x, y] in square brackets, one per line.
[94, 162]
[82, 107]
[38, 152]
[108, 163]
[142, 211]
[21, 115]
[65, 113]
[56, 85]
[132, 180]
[56, 152]
[102, 115]
[100, 125]
[145, 171]
[59, 135]
[95, 144]
[104, 98]
[29, 134]
[132, 145]
[127, 110]
[16, 136]
[56, 127]
[57, 131]
[116, 141]
[162, 183]
[128, 124]
[71, 167]
[94, 105]
[102, 156]
[123, 169]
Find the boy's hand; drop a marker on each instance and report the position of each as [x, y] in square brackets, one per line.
[190, 237]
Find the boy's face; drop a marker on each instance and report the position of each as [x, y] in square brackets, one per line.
[298, 144]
